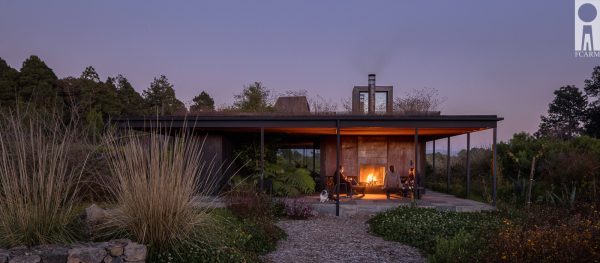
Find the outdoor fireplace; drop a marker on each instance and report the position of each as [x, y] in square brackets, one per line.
[372, 175]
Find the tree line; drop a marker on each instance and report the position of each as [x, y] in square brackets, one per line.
[36, 85]
[573, 112]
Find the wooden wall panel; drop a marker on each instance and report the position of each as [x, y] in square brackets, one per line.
[349, 158]
[372, 150]
[400, 152]
[328, 158]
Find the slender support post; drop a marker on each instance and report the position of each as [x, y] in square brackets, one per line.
[448, 166]
[262, 159]
[337, 169]
[494, 167]
[417, 172]
[304, 160]
[468, 164]
[314, 159]
[433, 160]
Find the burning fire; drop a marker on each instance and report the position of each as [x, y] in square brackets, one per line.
[371, 178]
[371, 174]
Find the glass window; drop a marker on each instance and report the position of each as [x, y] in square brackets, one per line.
[381, 101]
[364, 102]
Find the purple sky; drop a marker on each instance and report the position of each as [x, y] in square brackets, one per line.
[485, 57]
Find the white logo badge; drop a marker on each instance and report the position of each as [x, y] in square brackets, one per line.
[587, 28]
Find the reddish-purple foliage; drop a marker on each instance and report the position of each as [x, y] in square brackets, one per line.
[297, 209]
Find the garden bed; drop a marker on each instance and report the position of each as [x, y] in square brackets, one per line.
[538, 234]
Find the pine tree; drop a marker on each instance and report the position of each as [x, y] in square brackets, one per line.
[592, 90]
[566, 114]
[202, 102]
[37, 84]
[8, 84]
[130, 99]
[160, 97]
[90, 74]
[254, 98]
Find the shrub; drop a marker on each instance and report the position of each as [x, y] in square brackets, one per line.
[229, 239]
[538, 234]
[291, 182]
[248, 203]
[422, 227]
[458, 248]
[545, 234]
[38, 185]
[156, 180]
[263, 236]
[297, 209]
[278, 208]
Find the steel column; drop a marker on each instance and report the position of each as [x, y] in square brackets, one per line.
[494, 167]
[262, 159]
[337, 169]
[448, 166]
[468, 164]
[314, 159]
[433, 160]
[417, 173]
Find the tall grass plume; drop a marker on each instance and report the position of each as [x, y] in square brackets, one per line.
[38, 183]
[157, 181]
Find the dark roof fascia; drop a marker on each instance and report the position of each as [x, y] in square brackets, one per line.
[312, 121]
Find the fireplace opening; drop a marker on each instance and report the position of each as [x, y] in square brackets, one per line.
[372, 175]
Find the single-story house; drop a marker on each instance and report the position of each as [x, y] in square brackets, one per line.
[365, 141]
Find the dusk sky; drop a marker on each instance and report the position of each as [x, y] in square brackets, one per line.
[485, 57]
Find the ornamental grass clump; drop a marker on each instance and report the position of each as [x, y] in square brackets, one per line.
[157, 182]
[38, 182]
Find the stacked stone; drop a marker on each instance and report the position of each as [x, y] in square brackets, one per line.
[114, 251]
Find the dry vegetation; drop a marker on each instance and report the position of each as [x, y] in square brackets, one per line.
[38, 186]
[155, 181]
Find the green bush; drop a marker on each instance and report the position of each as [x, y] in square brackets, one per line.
[226, 238]
[566, 171]
[422, 227]
[278, 208]
[458, 248]
[203, 253]
[263, 236]
[292, 182]
[536, 234]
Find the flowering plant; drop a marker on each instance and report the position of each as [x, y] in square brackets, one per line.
[297, 209]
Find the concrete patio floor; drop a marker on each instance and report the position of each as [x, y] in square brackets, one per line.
[375, 203]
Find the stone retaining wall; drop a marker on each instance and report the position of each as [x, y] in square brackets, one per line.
[114, 251]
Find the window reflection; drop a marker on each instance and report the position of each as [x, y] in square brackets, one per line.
[381, 101]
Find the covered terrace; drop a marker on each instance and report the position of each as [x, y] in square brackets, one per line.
[340, 136]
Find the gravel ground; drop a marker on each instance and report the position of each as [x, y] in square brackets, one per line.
[331, 239]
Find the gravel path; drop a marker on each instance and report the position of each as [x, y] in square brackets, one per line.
[331, 239]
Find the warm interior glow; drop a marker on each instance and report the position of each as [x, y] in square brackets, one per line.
[370, 178]
[372, 174]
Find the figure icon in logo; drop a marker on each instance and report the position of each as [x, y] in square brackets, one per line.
[587, 13]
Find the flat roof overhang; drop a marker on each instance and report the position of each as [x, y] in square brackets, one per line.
[431, 126]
